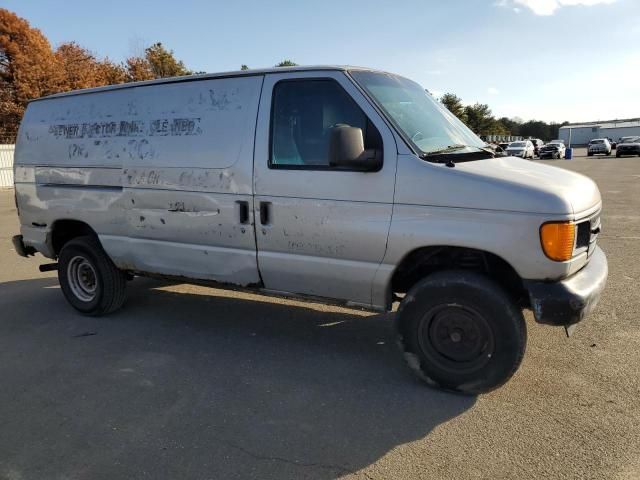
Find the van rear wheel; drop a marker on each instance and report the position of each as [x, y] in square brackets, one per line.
[461, 332]
[90, 281]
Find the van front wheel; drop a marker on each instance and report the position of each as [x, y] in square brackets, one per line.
[461, 332]
[90, 281]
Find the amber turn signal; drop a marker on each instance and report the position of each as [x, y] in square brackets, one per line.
[557, 240]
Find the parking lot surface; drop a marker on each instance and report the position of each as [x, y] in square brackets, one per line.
[192, 382]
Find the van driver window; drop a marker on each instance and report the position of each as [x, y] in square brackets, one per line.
[303, 114]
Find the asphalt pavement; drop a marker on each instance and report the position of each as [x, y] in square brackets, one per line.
[189, 382]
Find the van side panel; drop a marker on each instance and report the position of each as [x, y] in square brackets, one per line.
[510, 235]
[157, 171]
[57, 178]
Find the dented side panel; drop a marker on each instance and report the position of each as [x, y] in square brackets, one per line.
[42, 204]
[156, 171]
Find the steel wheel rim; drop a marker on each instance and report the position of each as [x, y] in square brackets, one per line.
[82, 277]
[456, 338]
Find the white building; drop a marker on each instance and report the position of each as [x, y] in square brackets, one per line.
[6, 165]
[582, 133]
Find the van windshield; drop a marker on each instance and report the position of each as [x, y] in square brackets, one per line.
[425, 122]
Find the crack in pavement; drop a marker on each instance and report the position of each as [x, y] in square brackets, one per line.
[342, 470]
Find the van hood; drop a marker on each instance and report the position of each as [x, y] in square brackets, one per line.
[503, 183]
[542, 188]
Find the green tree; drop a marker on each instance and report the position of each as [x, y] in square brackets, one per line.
[479, 118]
[287, 63]
[533, 128]
[163, 63]
[244, 67]
[496, 127]
[454, 105]
[511, 124]
[158, 62]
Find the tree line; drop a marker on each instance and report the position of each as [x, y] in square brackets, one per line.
[31, 68]
[479, 118]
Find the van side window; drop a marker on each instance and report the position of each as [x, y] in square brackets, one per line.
[303, 112]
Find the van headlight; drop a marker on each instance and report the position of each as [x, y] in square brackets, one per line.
[557, 240]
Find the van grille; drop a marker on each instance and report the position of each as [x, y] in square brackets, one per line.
[587, 234]
[584, 234]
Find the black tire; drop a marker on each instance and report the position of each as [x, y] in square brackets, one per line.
[461, 332]
[90, 281]
[589, 154]
[618, 155]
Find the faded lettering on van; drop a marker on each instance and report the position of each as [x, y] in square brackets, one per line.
[175, 127]
[77, 150]
[127, 128]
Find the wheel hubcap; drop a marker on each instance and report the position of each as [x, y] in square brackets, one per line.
[82, 278]
[456, 338]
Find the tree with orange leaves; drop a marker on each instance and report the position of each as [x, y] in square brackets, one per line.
[81, 69]
[28, 69]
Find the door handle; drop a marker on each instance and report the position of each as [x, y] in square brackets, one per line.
[244, 211]
[265, 213]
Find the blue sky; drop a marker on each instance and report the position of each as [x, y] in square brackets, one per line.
[553, 60]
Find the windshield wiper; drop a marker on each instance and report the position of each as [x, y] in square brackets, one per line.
[450, 148]
[446, 155]
[453, 148]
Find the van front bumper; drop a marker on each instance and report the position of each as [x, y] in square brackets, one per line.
[569, 301]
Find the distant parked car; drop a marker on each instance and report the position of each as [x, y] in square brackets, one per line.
[552, 150]
[501, 149]
[537, 144]
[630, 146]
[598, 146]
[613, 143]
[522, 149]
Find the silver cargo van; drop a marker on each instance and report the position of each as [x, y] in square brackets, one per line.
[336, 183]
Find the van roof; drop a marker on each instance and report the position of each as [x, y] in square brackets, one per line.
[204, 76]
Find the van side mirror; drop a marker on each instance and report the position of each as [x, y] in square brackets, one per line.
[346, 149]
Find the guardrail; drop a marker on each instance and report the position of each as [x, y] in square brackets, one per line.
[6, 166]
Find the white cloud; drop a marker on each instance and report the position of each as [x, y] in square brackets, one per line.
[493, 91]
[549, 7]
